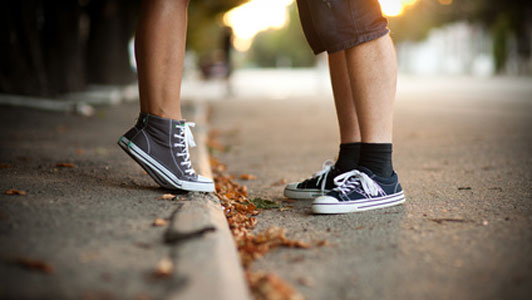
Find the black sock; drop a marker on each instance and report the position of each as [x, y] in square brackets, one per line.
[348, 157]
[377, 158]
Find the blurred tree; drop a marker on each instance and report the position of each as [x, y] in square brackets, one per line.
[205, 27]
[285, 47]
[503, 18]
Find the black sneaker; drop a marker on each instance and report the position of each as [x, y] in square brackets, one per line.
[318, 185]
[360, 190]
[161, 145]
[124, 140]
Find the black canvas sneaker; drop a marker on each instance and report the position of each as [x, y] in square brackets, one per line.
[161, 146]
[360, 190]
[124, 140]
[318, 185]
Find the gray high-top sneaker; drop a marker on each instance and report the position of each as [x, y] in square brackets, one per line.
[129, 135]
[161, 145]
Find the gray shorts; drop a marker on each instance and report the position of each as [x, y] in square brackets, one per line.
[336, 25]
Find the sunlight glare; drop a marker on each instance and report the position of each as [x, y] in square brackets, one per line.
[255, 16]
[393, 8]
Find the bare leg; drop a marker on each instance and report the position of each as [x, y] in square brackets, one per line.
[160, 51]
[372, 69]
[343, 99]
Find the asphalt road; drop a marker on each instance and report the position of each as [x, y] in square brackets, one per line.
[462, 151]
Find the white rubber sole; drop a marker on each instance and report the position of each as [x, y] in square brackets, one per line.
[331, 205]
[307, 194]
[205, 185]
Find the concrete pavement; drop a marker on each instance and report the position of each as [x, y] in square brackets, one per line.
[462, 151]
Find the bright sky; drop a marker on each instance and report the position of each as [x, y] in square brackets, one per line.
[252, 17]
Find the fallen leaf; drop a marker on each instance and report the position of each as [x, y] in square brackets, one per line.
[322, 243]
[285, 208]
[264, 203]
[65, 165]
[450, 220]
[6, 166]
[79, 151]
[143, 245]
[167, 197]
[164, 268]
[158, 222]
[281, 181]
[15, 192]
[35, 265]
[269, 286]
[248, 177]
[305, 281]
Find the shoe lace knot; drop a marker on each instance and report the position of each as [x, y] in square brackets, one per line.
[185, 139]
[357, 181]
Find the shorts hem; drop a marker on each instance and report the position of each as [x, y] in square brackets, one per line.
[354, 42]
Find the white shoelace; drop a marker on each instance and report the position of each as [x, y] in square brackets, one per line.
[359, 181]
[186, 139]
[322, 175]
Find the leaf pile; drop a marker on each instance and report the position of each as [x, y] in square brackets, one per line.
[240, 213]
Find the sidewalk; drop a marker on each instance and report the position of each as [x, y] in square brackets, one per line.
[463, 157]
[93, 225]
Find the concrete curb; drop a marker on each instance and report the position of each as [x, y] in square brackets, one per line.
[204, 251]
[80, 102]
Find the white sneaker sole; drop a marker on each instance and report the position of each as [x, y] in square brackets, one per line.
[331, 205]
[193, 186]
[300, 194]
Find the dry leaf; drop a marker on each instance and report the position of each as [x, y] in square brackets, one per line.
[65, 165]
[79, 151]
[281, 181]
[306, 281]
[164, 268]
[248, 177]
[6, 166]
[36, 265]
[15, 192]
[322, 243]
[269, 286]
[158, 222]
[167, 197]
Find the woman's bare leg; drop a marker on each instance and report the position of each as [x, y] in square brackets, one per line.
[160, 51]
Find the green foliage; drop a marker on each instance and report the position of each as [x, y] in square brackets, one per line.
[264, 203]
[286, 46]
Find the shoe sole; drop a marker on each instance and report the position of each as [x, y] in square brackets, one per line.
[359, 205]
[163, 173]
[307, 194]
[154, 176]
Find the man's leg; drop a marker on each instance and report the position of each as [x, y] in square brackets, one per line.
[346, 112]
[372, 71]
[343, 99]
[160, 51]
